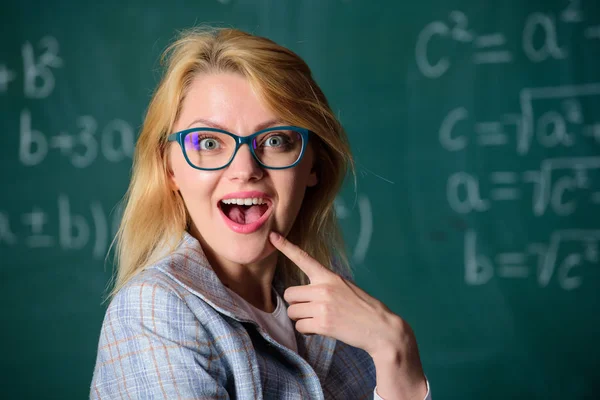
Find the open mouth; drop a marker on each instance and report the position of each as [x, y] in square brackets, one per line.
[244, 211]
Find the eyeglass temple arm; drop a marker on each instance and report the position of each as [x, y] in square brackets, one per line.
[172, 137]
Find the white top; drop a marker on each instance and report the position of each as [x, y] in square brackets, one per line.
[279, 326]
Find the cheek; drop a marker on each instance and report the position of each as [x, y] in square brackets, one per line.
[190, 182]
[298, 179]
[291, 191]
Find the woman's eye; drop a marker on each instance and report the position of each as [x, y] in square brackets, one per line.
[208, 144]
[274, 141]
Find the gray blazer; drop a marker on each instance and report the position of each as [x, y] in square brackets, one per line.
[174, 332]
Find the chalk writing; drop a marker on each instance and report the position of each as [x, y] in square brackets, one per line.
[61, 226]
[540, 260]
[115, 142]
[492, 48]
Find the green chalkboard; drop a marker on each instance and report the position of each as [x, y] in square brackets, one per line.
[476, 128]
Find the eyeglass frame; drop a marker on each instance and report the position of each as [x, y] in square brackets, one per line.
[179, 137]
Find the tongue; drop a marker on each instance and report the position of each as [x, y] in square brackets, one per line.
[246, 214]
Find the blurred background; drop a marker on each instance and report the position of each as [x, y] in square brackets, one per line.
[476, 129]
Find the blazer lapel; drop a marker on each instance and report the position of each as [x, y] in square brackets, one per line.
[317, 350]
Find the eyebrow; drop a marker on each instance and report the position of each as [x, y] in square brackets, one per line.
[259, 127]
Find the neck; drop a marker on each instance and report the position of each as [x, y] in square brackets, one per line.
[252, 282]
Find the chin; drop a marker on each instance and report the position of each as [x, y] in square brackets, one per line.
[248, 255]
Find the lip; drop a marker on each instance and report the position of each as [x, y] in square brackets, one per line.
[254, 226]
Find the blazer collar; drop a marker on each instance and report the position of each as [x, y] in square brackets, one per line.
[189, 267]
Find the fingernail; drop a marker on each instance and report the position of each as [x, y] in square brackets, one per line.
[274, 236]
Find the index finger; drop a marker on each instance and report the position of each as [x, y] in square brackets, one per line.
[311, 267]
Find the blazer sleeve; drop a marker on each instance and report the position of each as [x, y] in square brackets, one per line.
[152, 346]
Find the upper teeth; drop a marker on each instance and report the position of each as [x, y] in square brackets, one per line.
[245, 202]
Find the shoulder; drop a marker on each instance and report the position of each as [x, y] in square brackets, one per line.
[151, 289]
[155, 334]
[154, 302]
[152, 312]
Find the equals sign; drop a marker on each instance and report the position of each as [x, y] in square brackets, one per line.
[490, 133]
[512, 265]
[494, 56]
[504, 193]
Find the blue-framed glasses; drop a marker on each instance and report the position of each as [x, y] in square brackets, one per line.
[211, 149]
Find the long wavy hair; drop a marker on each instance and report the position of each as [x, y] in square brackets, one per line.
[155, 217]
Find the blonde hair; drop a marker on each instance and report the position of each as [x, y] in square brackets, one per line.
[155, 217]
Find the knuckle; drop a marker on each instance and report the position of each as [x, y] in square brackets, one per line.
[324, 309]
[303, 255]
[325, 324]
[326, 292]
[326, 317]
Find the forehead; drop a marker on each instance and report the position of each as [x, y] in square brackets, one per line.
[227, 100]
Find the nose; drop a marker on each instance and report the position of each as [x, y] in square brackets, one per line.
[244, 167]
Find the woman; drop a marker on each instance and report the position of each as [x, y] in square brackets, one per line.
[228, 235]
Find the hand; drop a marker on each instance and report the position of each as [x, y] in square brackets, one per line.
[333, 306]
